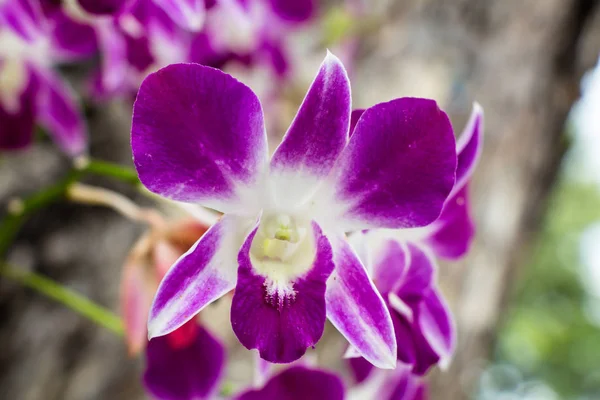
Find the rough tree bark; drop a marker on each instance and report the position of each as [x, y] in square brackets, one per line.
[522, 60]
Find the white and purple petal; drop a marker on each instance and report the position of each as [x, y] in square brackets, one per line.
[17, 107]
[469, 147]
[186, 364]
[59, 112]
[357, 310]
[203, 274]
[437, 326]
[281, 322]
[298, 383]
[315, 138]
[189, 14]
[198, 135]
[397, 170]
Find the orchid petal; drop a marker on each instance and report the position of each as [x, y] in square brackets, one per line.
[188, 369]
[18, 108]
[418, 276]
[354, 117]
[59, 112]
[437, 326]
[293, 11]
[23, 17]
[114, 63]
[198, 135]
[203, 274]
[316, 137]
[298, 383]
[72, 40]
[103, 7]
[189, 14]
[281, 325]
[360, 368]
[469, 147]
[396, 171]
[451, 235]
[357, 310]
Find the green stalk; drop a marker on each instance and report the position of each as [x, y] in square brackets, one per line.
[15, 218]
[112, 170]
[67, 297]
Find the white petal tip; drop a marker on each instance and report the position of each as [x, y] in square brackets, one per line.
[477, 108]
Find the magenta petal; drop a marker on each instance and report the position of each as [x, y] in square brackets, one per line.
[17, 125]
[59, 112]
[23, 17]
[189, 14]
[299, 383]
[72, 40]
[202, 275]
[418, 277]
[469, 147]
[281, 327]
[293, 11]
[103, 7]
[354, 117]
[398, 167]
[403, 385]
[356, 309]
[184, 370]
[113, 48]
[452, 233]
[317, 135]
[390, 263]
[360, 368]
[197, 135]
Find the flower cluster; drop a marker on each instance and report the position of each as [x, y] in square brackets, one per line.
[132, 39]
[341, 223]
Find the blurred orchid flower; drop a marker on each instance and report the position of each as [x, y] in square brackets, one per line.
[403, 267]
[198, 136]
[31, 45]
[298, 383]
[404, 273]
[399, 384]
[188, 362]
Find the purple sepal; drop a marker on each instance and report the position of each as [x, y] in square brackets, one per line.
[452, 233]
[316, 137]
[184, 365]
[298, 383]
[72, 40]
[360, 368]
[202, 275]
[281, 324]
[357, 310]
[398, 167]
[59, 112]
[104, 7]
[198, 135]
[17, 123]
[469, 147]
[293, 11]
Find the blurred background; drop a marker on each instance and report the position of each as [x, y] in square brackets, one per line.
[526, 299]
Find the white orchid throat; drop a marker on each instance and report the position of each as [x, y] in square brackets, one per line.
[282, 250]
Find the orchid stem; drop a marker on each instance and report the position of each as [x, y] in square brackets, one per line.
[20, 209]
[67, 297]
[112, 170]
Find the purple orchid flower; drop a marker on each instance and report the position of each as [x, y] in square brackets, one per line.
[298, 383]
[399, 384]
[198, 136]
[186, 364]
[31, 44]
